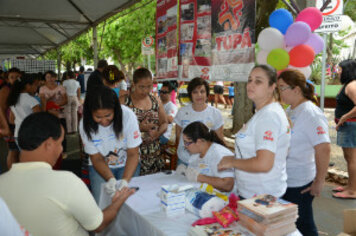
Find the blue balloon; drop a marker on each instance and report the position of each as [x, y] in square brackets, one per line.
[281, 19]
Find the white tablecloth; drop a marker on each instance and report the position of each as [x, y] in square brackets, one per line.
[142, 215]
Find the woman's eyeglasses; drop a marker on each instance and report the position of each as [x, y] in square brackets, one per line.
[284, 88]
[187, 144]
[163, 92]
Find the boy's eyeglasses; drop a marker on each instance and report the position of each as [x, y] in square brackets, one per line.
[163, 92]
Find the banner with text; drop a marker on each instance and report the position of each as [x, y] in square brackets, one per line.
[216, 39]
[166, 40]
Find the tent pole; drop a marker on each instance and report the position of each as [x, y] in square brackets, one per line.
[95, 41]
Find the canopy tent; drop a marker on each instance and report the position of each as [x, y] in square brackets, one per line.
[34, 27]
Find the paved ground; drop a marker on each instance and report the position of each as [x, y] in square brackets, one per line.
[327, 210]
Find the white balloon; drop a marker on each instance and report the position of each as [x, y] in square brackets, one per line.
[261, 57]
[270, 38]
[305, 70]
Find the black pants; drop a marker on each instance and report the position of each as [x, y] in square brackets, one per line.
[64, 124]
[305, 222]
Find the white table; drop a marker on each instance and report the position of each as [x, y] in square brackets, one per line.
[142, 215]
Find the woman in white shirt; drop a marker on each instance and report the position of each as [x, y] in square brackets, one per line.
[261, 145]
[309, 152]
[198, 110]
[206, 151]
[111, 137]
[21, 99]
[72, 87]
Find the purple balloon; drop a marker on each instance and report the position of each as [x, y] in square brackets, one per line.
[316, 42]
[298, 33]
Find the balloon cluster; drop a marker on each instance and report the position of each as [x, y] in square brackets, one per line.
[289, 44]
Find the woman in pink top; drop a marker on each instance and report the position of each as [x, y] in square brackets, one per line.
[50, 91]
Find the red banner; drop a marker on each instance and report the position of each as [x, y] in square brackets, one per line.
[216, 39]
[166, 40]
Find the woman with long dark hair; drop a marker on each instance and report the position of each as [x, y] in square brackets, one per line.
[111, 137]
[345, 118]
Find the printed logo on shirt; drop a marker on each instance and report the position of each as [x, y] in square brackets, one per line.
[320, 130]
[136, 134]
[268, 136]
[288, 129]
[204, 169]
[241, 135]
[185, 122]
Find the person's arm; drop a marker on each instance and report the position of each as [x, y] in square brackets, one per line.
[220, 133]
[322, 158]
[162, 120]
[350, 91]
[64, 100]
[111, 211]
[78, 93]
[4, 93]
[222, 184]
[131, 163]
[36, 108]
[262, 162]
[101, 167]
[178, 132]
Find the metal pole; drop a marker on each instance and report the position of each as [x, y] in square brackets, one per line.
[95, 41]
[59, 62]
[323, 62]
[149, 61]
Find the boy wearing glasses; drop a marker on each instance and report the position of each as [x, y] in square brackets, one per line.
[170, 108]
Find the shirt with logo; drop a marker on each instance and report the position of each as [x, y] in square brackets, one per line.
[268, 129]
[208, 165]
[105, 142]
[309, 128]
[211, 117]
[171, 110]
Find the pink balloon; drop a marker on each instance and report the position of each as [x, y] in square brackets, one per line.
[316, 42]
[298, 33]
[312, 16]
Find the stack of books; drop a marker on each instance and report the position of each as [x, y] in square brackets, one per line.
[268, 215]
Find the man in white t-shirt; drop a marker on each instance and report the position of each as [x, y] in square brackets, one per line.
[170, 108]
[48, 202]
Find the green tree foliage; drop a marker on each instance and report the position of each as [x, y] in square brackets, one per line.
[123, 36]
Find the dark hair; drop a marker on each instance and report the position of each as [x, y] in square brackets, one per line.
[81, 69]
[141, 73]
[101, 97]
[197, 81]
[295, 78]
[19, 86]
[14, 70]
[112, 74]
[168, 85]
[70, 74]
[348, 73]
[102, 63]
[197, 130]
[51, 72]
[37, 128]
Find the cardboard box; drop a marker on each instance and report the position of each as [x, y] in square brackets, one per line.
[172, 200]
[350, 221]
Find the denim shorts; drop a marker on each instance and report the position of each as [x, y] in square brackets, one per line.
[346, 135]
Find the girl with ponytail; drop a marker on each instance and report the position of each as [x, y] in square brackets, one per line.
[309, 151]
[206, 150]
[21, 99]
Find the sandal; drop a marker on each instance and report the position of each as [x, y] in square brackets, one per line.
[338, 189]
[342, 196]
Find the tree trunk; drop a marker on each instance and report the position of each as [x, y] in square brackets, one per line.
[263, 10]
[243, 108]
[329, 50]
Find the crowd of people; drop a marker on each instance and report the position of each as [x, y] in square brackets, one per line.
[123, 129]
